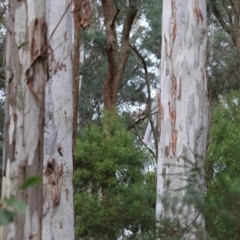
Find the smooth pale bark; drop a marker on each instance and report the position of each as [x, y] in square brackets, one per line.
[58, 218]
[183, 106]
[24, 114]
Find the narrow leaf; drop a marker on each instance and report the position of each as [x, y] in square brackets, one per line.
[17, 204]
[6, 216]
[31, 181]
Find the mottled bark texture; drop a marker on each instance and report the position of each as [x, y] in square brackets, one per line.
[183, 107]
[117, 54]
[24, 114]
[58, 217]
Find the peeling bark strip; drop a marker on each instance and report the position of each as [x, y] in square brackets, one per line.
[37, 33]
[183, 101]
[117, 55]
[58, 218]
[24, 114]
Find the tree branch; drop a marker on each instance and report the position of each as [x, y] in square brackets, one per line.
[219, 16]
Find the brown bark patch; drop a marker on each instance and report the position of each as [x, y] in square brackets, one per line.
[37, 40]
[172, 114]
[166, 151]
[81, 14]
[174, 141]
[198, 13]
[174, 85]
[59, 149]
[174, 33]
[53, 174]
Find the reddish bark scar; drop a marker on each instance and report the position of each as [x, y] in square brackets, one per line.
[198, 12]
[53, 173]
[172, 114]
[59, 149]
[174, 140]
[174, 29]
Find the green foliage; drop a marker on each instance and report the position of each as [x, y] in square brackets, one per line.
[223, 156]
[223, 170]
[223, 62]
[94, 71]
[6, 216]
[145, 37]
[112, 195]
[17, 204]
[9, 208]
[223, 55]
[31, 181]
[152, 10]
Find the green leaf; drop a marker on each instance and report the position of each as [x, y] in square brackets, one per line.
[6, 216]
[17, 204]
[31, 181]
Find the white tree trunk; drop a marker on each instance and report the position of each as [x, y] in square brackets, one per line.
[183, 107]
[58, 217]
[24, 114]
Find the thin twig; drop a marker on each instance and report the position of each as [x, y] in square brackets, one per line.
[54, 30]
[145, 145]
[149, 100]
[114, 19]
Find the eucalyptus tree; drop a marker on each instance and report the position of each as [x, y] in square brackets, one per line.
[142, 36]
[24, 114]
[117, 56]
[58, 218]
[183, 107]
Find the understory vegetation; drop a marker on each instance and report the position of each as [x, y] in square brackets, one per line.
[114, 196]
